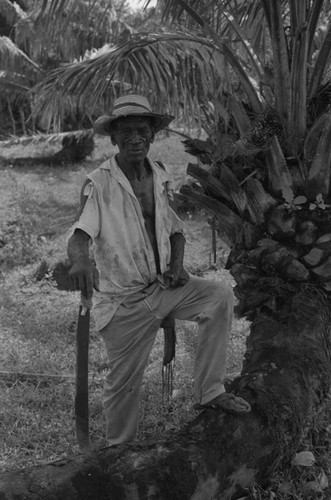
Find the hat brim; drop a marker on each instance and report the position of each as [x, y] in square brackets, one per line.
[103, 124]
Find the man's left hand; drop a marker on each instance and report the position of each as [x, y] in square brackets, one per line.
[175, 276]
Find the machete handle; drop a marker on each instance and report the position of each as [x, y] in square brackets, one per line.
[86, 304]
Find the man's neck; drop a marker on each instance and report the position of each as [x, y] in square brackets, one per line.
[133, 170]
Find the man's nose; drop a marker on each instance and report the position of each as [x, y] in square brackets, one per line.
[135, 136]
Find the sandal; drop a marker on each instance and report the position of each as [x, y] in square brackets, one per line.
[227, 402]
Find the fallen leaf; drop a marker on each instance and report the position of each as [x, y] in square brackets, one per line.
[323, 480]
[311, 486]
[304, 458]
[285, 487]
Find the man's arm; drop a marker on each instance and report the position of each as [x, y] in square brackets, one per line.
[83, 272]
[176, 274]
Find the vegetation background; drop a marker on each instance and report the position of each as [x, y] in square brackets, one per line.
[260, 100]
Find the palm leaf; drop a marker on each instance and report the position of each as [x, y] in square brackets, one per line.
[12, 57]
[319, 173]
[154, 62]
[231, 225]
[128, 60]
[281, 73]
[319, 102]
[224, 17]
[321, 63]
[8, 12]
[48, 139]
[278, 172]
[313, 23]
[259, 200]
[297, 104]
[239, 115]
[13, 83]
[23, 4]
[253, 56]
[66, 28]
[313, 138]
[254, 98]
[226, 187]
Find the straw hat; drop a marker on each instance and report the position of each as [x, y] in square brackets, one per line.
[130, 105]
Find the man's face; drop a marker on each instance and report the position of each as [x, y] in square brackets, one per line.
[133, 136]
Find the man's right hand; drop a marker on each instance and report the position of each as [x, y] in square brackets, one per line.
[84, 276]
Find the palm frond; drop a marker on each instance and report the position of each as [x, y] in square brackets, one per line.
[8, 12]
[319, 103]
[322, 62]
[312, 139]
[231, 225]
[281, 72]
[73, 26]
[297, 103]
[23, 4]
[179, 78]
[259, 200]
[232, 58]
[253, 56]
[12, 57]
[239, 115]
[320, 173]
[316, 10]
[278, 172]
[13, 83]
[48, 139]
[162, 65]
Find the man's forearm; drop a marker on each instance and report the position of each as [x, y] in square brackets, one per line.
[78, 246]
[177, 242]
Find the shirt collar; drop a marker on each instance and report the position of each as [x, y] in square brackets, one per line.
[160, 175]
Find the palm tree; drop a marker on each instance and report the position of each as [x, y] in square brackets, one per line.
[15, 66]
[258, 75]
[36, 37]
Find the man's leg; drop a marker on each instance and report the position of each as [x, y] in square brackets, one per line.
[210, 304]
[129, 338]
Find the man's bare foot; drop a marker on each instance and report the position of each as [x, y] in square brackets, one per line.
[227, 402]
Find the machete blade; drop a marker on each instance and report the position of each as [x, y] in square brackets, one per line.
[81, 399]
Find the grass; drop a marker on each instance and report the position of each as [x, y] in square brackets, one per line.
[38, 324]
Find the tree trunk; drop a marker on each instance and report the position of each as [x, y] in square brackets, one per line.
[286, 376]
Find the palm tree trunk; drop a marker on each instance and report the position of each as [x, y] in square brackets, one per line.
[10, 111]
[23, 121]
[286, 376]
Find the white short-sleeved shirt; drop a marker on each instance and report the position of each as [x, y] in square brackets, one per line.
[123, 253]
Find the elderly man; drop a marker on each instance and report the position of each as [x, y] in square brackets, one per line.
[138, 249]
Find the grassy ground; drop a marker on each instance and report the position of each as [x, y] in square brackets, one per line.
[38, 322]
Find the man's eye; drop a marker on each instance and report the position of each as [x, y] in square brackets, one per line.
[142, 132]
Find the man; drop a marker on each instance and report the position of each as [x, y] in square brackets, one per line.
[138, 249]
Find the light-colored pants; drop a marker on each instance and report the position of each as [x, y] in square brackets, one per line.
[130, 335]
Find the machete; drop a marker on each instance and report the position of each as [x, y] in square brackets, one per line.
[81, 399]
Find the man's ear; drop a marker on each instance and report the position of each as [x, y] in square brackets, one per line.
[113, 140]
[153, 137]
